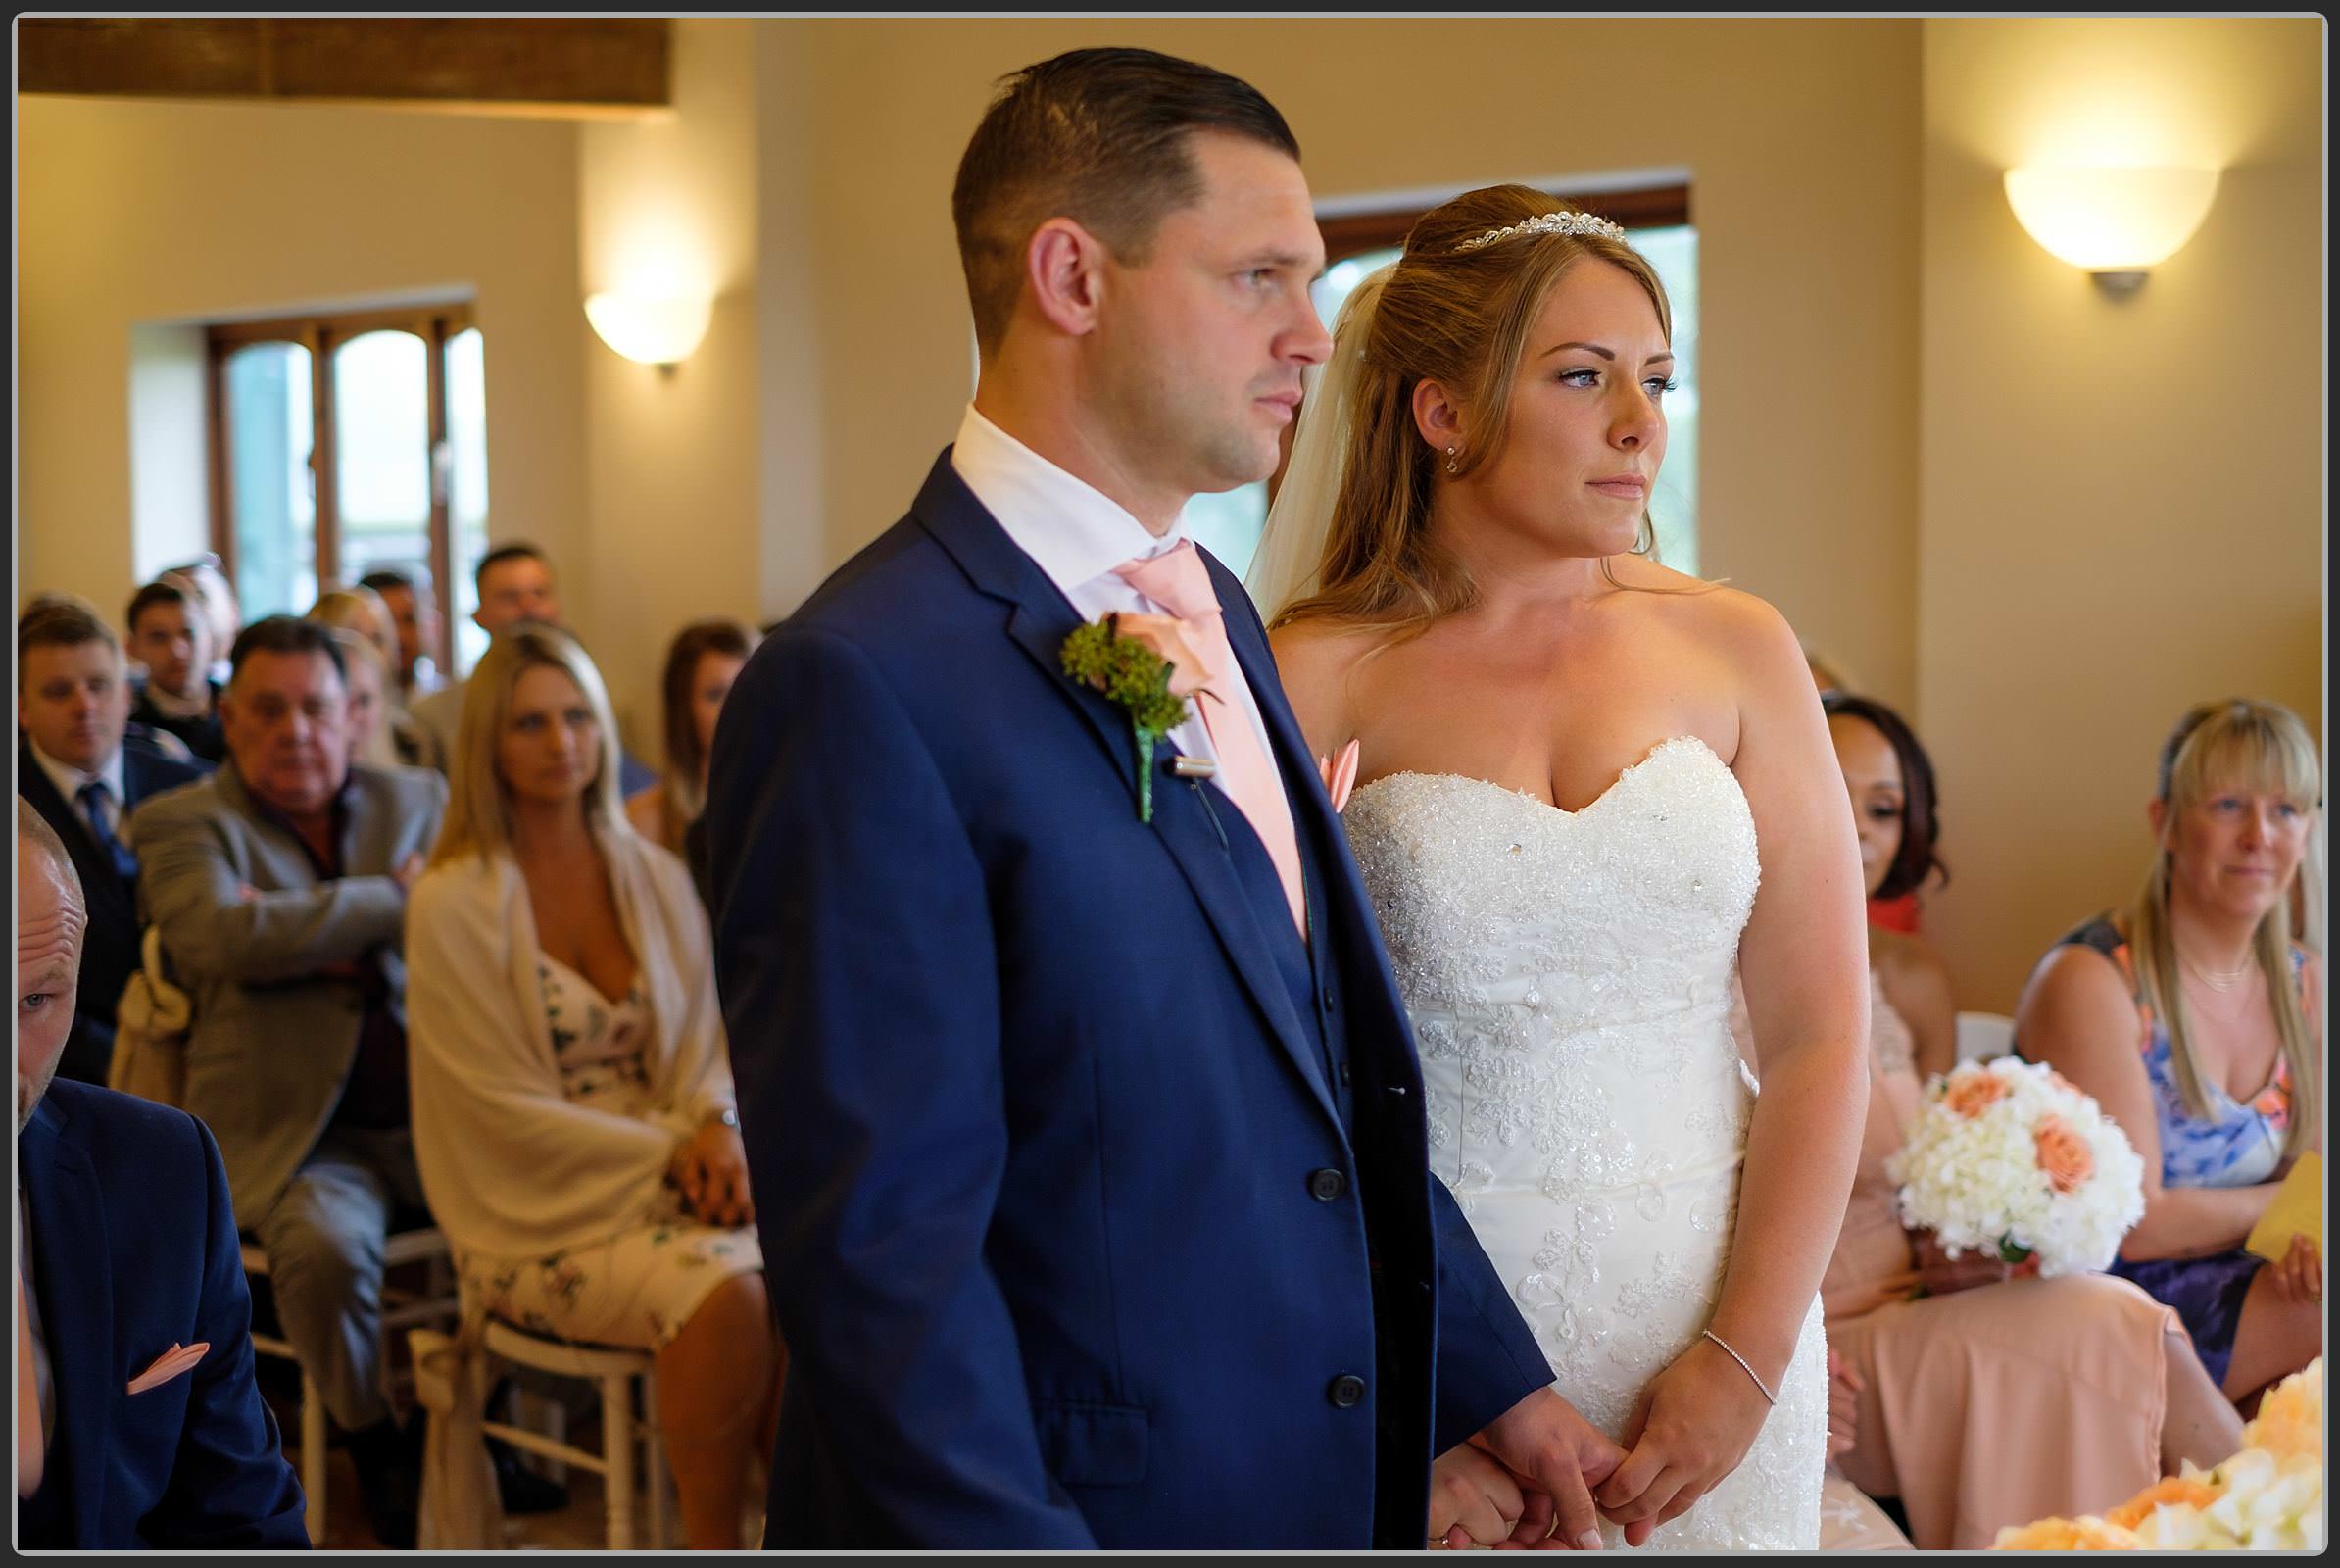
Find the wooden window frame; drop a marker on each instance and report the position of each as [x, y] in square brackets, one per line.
[322, 334]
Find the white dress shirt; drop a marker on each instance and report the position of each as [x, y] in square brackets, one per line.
[1077, 535]
[70, 782]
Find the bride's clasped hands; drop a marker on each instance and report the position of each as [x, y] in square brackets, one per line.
[1694, 1423]
[1527, 1480]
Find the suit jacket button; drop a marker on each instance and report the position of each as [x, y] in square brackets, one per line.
[1347, 1391]
[1327, 1185]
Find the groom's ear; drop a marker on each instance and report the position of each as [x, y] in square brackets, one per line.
[1064, 270]
[1437, 415]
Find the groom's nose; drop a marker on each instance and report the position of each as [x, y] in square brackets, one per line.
[1307, 341]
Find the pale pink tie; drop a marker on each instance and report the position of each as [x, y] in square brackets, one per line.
[1178, 582]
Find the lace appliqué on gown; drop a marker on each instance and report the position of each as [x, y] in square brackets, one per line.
[1569, 977]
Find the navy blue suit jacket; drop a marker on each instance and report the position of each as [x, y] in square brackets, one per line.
[1034, 1132]
[134, 1251]
[110, 948]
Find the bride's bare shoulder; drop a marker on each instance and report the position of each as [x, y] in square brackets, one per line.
[1736, 619]
[1313, 660]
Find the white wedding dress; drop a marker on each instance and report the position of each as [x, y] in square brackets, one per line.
[1569, 977]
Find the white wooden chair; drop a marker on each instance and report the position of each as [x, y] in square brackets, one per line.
[633, 1447]
[1985, 1035]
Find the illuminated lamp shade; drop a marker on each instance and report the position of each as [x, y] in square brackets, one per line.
[659, 330]
[2115, 223]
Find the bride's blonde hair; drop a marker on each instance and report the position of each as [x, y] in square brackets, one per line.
[1459, 317]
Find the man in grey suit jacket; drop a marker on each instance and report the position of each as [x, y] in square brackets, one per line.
[280, 885]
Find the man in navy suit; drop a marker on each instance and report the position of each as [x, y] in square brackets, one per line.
[138, 1324]
[1086, 1137]
[84, 767]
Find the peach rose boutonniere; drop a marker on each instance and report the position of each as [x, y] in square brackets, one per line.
[1146, 667]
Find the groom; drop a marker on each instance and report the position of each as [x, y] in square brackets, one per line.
[1087, 1135]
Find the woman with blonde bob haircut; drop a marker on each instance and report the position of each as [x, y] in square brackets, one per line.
[1569, 754]
[573, 1112]
[395, 736]
[2195, 1019]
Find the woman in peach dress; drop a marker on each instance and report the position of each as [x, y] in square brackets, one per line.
[1984, 1398]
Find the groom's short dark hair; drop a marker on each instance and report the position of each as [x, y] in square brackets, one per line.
[1096, 136]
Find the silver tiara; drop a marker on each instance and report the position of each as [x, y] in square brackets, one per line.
[1577, 223]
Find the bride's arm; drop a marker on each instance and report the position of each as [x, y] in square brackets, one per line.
[1803, 960]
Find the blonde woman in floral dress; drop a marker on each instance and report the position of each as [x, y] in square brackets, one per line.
[572, 1099]
[1979, 1399]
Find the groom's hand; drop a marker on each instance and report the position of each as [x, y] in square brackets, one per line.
[1559, 1458]
[1473, 1499]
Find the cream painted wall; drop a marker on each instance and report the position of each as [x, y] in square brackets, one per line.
[2121, 507]
[1801, 135]
[141, 213]
[170, 515]
[672, 530]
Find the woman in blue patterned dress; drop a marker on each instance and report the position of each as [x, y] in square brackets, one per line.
[2196, 1022]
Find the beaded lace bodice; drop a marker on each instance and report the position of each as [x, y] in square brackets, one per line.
[1569, 978]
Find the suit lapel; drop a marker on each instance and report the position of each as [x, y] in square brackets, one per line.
[71, 1265]
[1039, 620]
[1355, 931]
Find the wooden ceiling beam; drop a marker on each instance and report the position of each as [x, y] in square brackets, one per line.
[549, 65]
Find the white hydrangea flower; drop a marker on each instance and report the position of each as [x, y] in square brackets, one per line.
[1973, 1169]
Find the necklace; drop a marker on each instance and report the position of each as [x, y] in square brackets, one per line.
[2220, 980]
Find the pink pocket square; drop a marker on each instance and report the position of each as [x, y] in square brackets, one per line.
[169, 1364]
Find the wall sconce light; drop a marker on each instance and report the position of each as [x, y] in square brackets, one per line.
[2115, 223]
[653, 329]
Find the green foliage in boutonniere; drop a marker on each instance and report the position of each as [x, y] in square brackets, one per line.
[1135, 678]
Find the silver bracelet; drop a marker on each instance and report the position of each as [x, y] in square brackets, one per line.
[1769, 1397]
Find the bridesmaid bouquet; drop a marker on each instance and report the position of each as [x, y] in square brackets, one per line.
[2268, 1498]
[2008, 1157]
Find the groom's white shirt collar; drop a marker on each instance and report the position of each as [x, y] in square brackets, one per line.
[1077, 535]
[1074, 531]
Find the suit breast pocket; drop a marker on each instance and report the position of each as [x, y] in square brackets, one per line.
[1090, 1445]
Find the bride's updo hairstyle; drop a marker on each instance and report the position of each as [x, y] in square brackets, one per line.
[1458, 315]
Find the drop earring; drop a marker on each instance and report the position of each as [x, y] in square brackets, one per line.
[1450, 460]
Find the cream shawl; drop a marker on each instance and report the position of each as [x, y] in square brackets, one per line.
[510, 1166]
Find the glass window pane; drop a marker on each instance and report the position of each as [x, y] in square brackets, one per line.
[1673, 252]
[273, 491]
[381, 450]
[467, 439]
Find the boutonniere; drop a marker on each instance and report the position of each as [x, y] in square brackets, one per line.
[1145, 665]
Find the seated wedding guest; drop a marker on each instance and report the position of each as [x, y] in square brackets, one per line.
[515, 584]
[1979, 1399]
[280, 885]
[706, 658]
[208, 583]
[574, 1105]
[405, 592]
[140, 1426]
[2196, 1022]
[84, 766]
[369, 714]
[384, 733]
[1898, 913]
[169, 633]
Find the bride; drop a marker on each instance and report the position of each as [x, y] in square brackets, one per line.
[1570, 756]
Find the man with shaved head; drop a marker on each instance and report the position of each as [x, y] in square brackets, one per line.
[136, 1342]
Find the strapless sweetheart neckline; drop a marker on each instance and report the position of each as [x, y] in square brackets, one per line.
[1630, 768]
